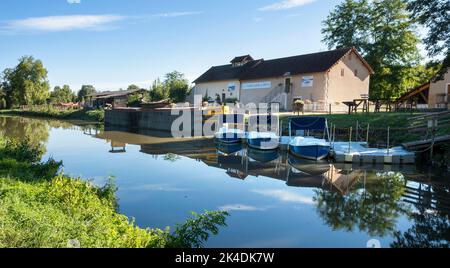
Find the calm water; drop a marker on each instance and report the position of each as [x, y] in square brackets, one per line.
[274, 200]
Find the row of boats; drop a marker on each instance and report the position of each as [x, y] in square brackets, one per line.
[300, 144]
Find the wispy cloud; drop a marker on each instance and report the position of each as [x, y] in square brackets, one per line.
[286, 196]
[176, 14]
[74, 1]
[159, 188]
[241, 207]
[257, 19]
[62, 23]
[286, 4]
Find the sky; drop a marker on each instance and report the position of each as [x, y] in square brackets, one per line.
[114, 43]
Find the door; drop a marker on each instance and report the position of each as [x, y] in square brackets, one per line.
[287, 85]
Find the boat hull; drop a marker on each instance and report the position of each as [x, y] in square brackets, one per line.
[312, 152]
[229, 137]
[263, 143]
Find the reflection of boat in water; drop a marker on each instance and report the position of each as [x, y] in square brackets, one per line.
[309, 147]
[263, 156]
[306, 173]
[309, 167]
[227, 149]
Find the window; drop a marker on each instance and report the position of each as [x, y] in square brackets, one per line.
[342, 72]
[356, 72]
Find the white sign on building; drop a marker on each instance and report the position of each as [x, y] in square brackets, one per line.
[307, 81]
[257, 85]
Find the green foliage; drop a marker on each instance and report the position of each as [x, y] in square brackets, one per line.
[435, 15]
[84, 91]
[383, 32]
[26, 84]
[174, 87]
[40, 208]
[231, 100]
[134, 100]
[62, 95]
[133, 87]
[49, 111]
[22, 150]
[195, 231]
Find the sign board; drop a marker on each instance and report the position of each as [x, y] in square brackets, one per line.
[307, 81]
[231, 87]
[257, 85]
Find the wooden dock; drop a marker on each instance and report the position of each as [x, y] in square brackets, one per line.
[423, 144]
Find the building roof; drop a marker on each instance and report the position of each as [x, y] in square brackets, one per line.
[109, 94]
[242, 58]
[256, 69]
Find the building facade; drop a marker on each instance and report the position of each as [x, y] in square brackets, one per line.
[319, 79]
[433, 94]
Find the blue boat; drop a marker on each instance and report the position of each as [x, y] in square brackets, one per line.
[228, 148]
[263, 140]
[229, 136]
[262, 132]
[228, 133]
[265, 156]
[309, 147]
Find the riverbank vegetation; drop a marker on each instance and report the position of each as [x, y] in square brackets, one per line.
[49, 111]
[41, 207]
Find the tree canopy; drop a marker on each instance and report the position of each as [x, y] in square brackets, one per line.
[62, 94]
[174, 87]
[385, 35]
[26, 84]
[84, 91]
[435, 15]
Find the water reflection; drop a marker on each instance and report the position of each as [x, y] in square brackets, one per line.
[375, 200]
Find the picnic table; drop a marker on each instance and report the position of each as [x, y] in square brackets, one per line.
[353, 105]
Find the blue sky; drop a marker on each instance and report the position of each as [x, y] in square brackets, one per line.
[114, 43]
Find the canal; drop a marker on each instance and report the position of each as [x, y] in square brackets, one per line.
[274, 200]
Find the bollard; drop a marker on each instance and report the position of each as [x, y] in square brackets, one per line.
[367, 135]
[388, 130]
[350, 140]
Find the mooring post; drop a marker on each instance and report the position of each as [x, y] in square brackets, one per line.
[350, 140]
[367, 135]
[388, 132]
[357, 130]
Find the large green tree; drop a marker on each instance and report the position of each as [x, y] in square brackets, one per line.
[383, 32]
[62, 94]
[174, 87]
[26, 84]
[84, 91]
[435, 15]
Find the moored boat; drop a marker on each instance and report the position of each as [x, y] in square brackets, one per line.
[263, 140]
[309, 147]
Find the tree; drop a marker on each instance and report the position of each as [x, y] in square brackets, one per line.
[158, 91]
[26, 84]
[133, 87]
[178, 86]
[384, 34]
[84, 91]
[435, 15]
[174, 87]
[64, 95]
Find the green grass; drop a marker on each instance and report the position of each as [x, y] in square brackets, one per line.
[42, 208]
[378, 124]
[50, 112]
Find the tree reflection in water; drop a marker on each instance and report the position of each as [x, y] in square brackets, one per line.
[372, 206]
[431, 221]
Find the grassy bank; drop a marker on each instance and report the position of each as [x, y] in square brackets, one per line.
[378, 124]
[50, 112]
[40, 207]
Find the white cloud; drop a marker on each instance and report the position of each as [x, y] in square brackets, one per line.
[285, 4]
[62, 23]
[257, 19]
[74, 1]
[176, 14]
[286, 196]
[240, 207]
